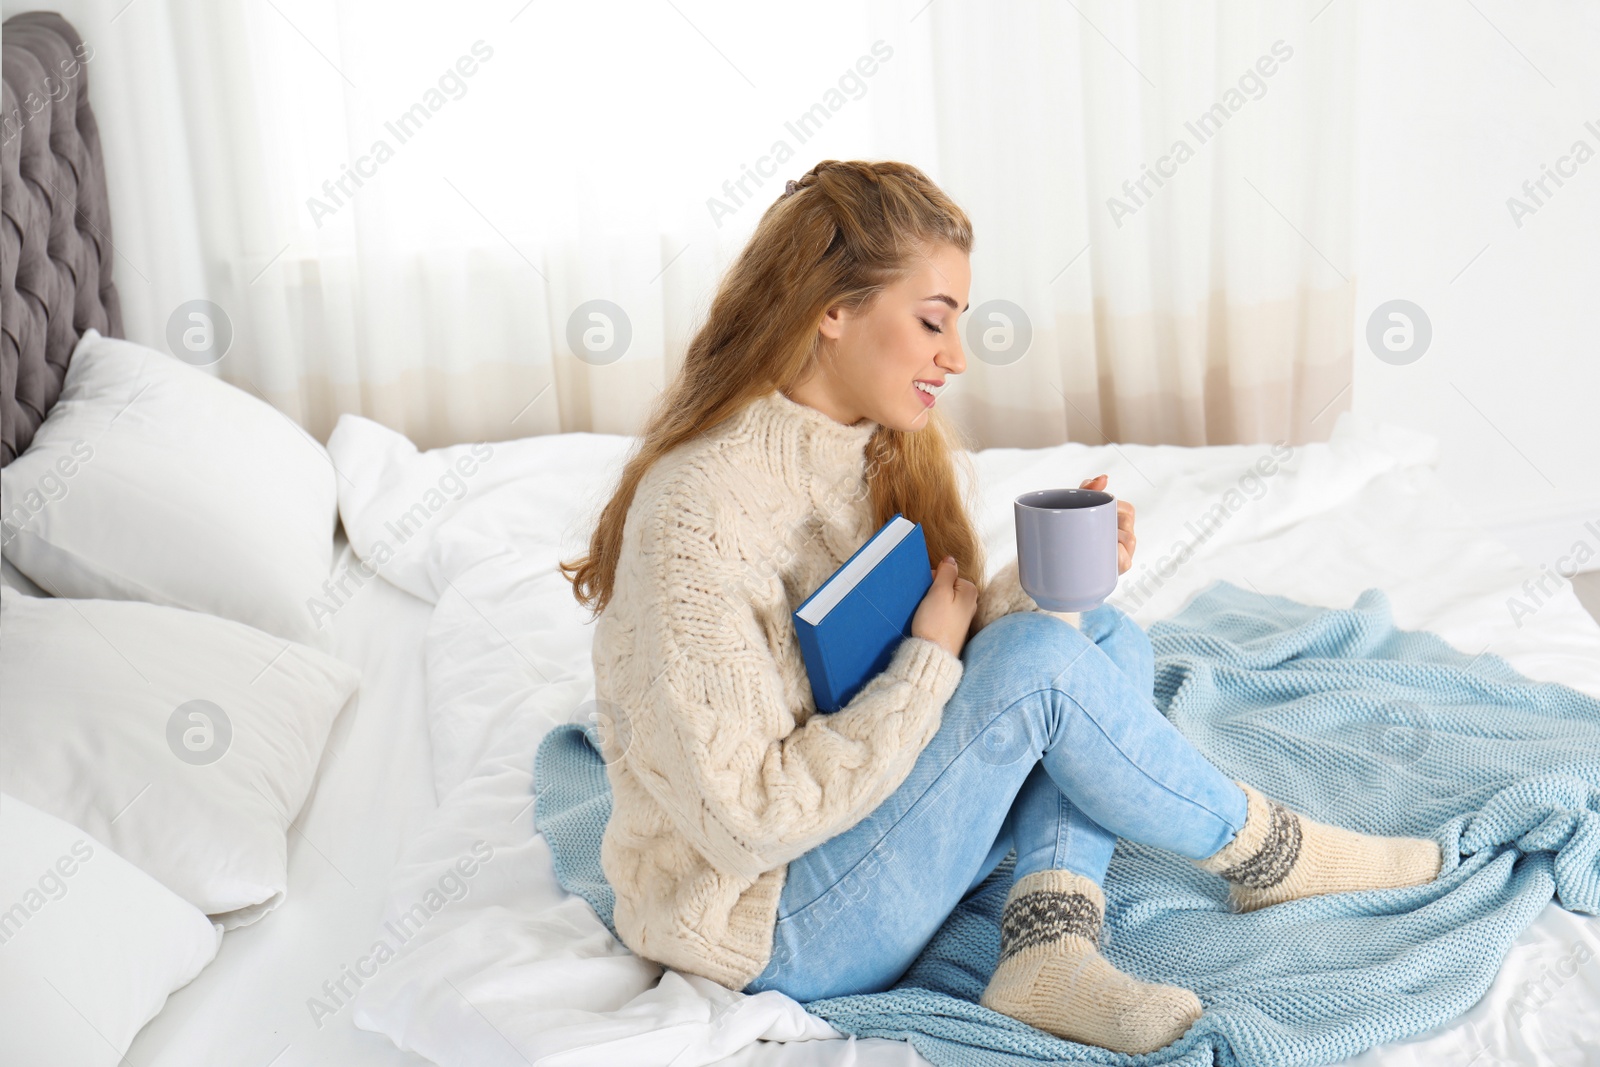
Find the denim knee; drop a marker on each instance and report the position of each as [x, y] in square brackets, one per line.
[1017, 657]
[1123, 641]
[1026, 644]
[1021, 653]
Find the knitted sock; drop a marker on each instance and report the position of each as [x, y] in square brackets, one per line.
[1052, 976]
[1280, 856]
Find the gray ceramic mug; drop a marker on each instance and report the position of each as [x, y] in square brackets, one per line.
[1067, 547]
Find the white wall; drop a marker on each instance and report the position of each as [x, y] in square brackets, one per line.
[1452, 121]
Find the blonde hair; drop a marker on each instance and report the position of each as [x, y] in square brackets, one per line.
[844, 232]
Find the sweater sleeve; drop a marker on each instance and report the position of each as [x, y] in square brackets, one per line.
[1004, 595]
[714, 739]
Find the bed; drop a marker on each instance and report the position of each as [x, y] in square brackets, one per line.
[526, 971]
[413, 824]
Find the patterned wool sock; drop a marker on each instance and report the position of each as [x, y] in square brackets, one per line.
[1052, 976]
[1280, 856]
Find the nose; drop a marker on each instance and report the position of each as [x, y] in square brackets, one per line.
[952, 358]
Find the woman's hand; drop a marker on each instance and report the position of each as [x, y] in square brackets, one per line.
[945, 614]
[1125, 539]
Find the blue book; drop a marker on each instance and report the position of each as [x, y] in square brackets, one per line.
[850, 627]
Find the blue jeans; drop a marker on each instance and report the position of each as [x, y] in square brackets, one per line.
[1050, 745]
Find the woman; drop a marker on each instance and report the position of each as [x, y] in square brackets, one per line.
[766, 846]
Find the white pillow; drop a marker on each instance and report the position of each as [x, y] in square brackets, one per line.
[152, 480]
[185, 742]
[90, 945]
[395, 498]
[12, 578]
[405, 510]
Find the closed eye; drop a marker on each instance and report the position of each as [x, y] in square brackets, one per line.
[931, 327]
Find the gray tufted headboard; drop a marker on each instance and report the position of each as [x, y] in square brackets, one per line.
[55, 238]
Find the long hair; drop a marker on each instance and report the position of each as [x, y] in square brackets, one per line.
[844, 233]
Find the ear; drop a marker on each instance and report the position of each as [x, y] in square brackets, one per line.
[833, 322]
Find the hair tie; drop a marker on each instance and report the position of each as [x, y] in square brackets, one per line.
[788, 190]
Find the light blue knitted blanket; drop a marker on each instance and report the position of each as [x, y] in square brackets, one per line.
[1340, 716]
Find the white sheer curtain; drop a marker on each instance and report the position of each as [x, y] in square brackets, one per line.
[518, 160]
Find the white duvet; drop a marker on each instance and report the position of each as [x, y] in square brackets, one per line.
[502, 966]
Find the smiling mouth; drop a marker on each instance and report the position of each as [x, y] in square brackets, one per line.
[928, 392]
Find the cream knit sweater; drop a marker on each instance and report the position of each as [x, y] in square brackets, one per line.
[721, 770]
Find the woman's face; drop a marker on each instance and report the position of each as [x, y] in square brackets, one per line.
[888, 361]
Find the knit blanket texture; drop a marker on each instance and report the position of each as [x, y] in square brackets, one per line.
[1338, 715]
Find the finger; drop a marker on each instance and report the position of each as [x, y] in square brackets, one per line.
[944, 576]
[1097, 482]
[1124, 510]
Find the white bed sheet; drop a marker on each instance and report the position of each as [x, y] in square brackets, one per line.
[374, 788]
[523, 973]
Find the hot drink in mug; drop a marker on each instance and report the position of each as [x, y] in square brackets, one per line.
[1067, 547]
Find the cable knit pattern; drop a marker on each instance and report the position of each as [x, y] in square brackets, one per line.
[720, 768]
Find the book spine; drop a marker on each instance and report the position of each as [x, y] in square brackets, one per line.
[822, 690]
